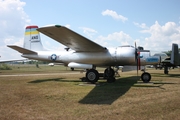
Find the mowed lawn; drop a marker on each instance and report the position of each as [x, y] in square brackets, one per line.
[56, 93]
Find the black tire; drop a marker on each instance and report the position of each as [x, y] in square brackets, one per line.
[111, 79]
[92, 75]
[109, 73]
[145, 77]
[166, 70]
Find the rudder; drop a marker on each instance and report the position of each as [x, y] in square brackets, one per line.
[175, 55]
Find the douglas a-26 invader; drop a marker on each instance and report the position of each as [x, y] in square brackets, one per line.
[83, 53]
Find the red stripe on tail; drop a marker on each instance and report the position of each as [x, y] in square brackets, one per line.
[33, 26]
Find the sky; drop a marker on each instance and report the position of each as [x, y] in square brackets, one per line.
[153, 24]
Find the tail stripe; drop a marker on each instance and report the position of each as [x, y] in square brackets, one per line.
[31, 32]
[32, 29]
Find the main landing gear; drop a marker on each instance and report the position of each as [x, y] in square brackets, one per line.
[166, 69]
[93, 75]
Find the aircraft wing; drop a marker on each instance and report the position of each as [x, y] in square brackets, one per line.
[71, 39]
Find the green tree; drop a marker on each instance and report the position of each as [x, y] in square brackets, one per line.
[169, 52]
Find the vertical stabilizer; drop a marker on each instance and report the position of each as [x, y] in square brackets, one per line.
[32, 40]
[175, 55]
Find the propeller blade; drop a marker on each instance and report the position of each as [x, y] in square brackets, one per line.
[136, 58]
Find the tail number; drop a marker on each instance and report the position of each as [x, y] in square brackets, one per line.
[34, 37]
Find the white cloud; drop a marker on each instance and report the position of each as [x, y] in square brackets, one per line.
[167, 30]
[114, 15]
[161, 36]
[13, 20]
[88, 31]
[68, 26]
[115, 39]
[12, 17]
[142, 25]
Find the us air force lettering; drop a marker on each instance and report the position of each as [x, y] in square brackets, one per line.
[83, 53]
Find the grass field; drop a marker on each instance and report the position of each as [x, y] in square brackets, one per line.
[56, 93]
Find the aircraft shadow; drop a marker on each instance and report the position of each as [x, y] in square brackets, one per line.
[165, 75]
[53, 79]
[107, 93]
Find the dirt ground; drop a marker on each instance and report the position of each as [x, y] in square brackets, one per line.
[57, 93]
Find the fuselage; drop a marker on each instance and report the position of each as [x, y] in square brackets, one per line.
[120, 56]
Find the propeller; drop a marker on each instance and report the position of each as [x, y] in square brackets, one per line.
[136, 58]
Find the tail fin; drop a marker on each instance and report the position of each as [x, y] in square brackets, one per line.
[175, 55]
[32, 40]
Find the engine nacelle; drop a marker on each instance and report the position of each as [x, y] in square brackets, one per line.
[79, 65]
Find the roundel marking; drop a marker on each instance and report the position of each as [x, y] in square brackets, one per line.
[53, 57]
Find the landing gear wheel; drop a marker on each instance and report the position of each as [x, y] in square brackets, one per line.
[92, 75]
[109, 72]
[111, 79]
[145, 77]
[166, 72]
[72, 69]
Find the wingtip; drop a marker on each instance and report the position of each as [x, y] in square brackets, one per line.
[58, 26]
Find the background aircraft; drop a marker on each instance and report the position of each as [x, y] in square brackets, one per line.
[169, 61]
[163, 57]
[83, 53]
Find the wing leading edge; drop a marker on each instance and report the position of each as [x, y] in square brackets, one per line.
[71, 39]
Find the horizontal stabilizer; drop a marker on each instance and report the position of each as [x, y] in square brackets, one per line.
[21, 50]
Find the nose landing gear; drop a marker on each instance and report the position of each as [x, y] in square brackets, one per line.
[145, 77]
